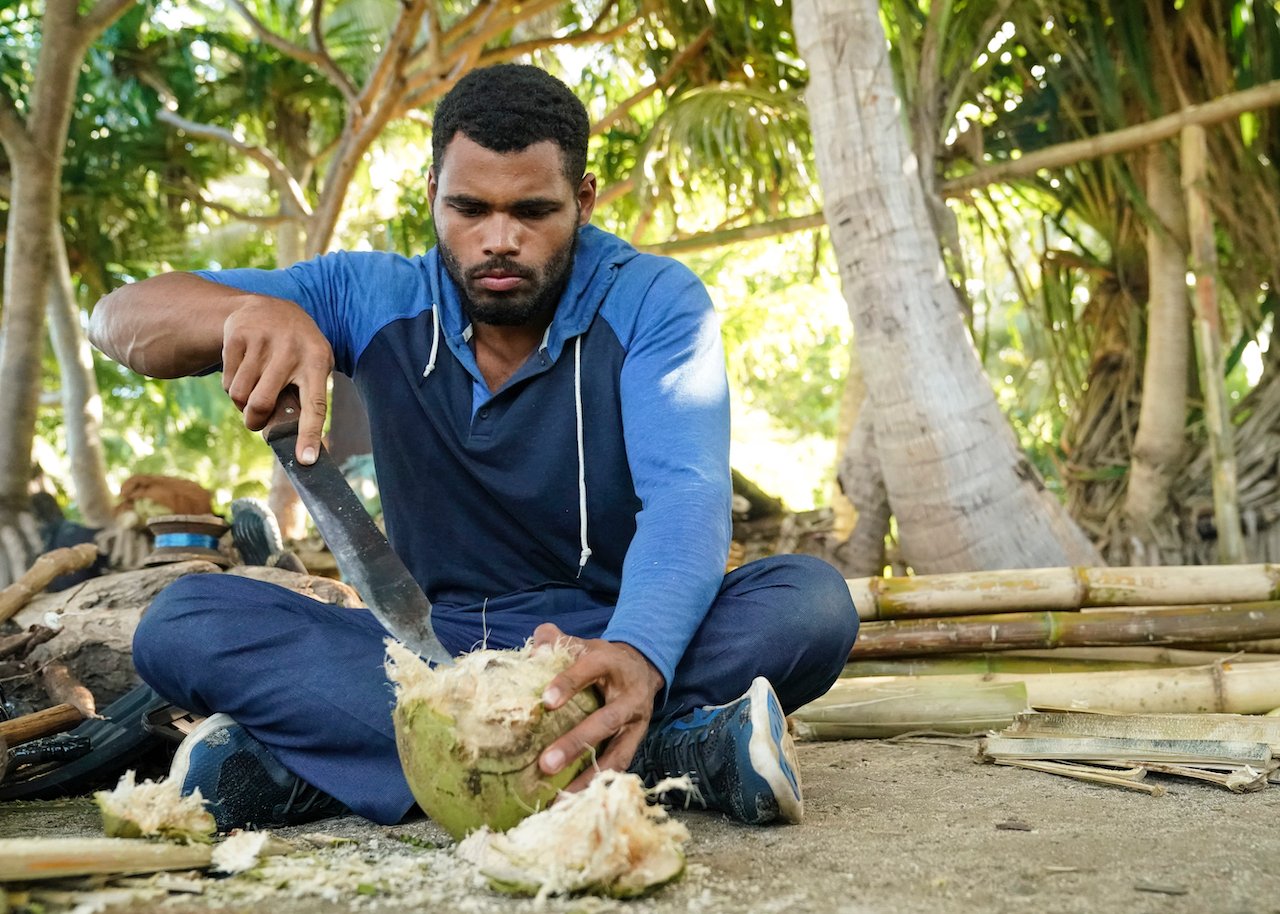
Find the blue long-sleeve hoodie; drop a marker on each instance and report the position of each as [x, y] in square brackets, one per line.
[611, 443]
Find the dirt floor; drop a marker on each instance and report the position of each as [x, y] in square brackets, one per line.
[889, 827]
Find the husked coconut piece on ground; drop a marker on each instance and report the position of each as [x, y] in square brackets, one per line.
[469, 735]
[154, 809]
[605, 840]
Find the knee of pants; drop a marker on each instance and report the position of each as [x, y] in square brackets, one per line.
[179, 631]
[830, 615]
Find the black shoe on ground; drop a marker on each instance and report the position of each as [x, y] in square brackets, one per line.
[739, 755]
[243, 784]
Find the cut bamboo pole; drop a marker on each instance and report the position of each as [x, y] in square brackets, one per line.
[1087, 773]
[950, 665]
[1255, 646]
[1219, 727]
[39, 723]
[42, 571]
[896, 708]
[1133, 751]
[33, 859]
[1007, 631]
[1239, 780]
[967, 593]
[1153, 656]
[1244, 688]
[1208, 337]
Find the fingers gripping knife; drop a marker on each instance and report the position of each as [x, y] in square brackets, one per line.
[364, 556]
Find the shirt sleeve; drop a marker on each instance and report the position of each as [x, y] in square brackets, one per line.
[675, 413]
[345, 293]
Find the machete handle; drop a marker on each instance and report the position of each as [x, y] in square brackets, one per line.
[284, 421]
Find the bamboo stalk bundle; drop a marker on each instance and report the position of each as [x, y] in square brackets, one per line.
[1071, 588]
[1212, 623]
[1244, 688]
[1229, 750]
[897, 707]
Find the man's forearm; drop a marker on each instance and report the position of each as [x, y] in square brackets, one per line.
[169, 326]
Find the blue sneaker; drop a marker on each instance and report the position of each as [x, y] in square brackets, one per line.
[242, 782]
[740, 757]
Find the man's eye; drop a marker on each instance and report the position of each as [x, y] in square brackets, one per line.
[464, 209]
[535, 212]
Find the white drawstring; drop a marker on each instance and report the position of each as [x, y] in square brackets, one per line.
[577, 402]
[435, 340]
[582, 457]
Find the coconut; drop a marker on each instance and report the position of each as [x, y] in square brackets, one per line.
[154, 809]
[604, 840]
[469, 735]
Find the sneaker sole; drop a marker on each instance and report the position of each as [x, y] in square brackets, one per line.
[773, 751]
[182, 759]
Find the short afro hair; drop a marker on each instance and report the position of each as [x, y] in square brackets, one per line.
[509, 107]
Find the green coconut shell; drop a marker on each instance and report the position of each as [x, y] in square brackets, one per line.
[462, 792]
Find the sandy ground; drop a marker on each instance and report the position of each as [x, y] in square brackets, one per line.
[889, 827]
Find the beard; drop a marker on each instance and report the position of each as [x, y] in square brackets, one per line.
[537, 298]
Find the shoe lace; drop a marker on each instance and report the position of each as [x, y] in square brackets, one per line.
[303, 798]
[679, 752]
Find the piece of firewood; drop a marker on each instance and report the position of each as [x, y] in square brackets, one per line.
[39, 723]
[20, 645]
[61, 685]
[42, 571]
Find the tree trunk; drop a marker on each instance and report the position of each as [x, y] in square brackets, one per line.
[32, 208]
[963, 494]
[1158, 444]
[81, 401]
[34, 138]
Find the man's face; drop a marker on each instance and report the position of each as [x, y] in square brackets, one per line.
[507, 226]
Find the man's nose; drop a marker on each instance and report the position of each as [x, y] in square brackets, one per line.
[501, 236]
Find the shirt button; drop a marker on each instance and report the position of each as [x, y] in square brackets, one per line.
[484, 413]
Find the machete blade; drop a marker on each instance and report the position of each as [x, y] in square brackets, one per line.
[364, 556]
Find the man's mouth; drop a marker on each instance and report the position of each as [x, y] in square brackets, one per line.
[498, 282]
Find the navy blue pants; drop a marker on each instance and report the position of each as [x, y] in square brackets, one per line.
[307, 679]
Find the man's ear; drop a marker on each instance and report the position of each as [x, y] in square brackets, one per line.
[586, 198]
[431, 186]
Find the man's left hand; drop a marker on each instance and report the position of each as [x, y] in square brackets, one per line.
[627, 682]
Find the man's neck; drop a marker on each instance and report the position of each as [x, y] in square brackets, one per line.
[500, 351]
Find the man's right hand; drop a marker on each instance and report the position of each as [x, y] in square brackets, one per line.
[268, 344]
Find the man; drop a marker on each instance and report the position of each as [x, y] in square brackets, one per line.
[550, 427]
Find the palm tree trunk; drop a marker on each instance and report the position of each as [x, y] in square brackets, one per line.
[1158, 444]
[963, 494]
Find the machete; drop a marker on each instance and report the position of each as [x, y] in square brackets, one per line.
[364, 556]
